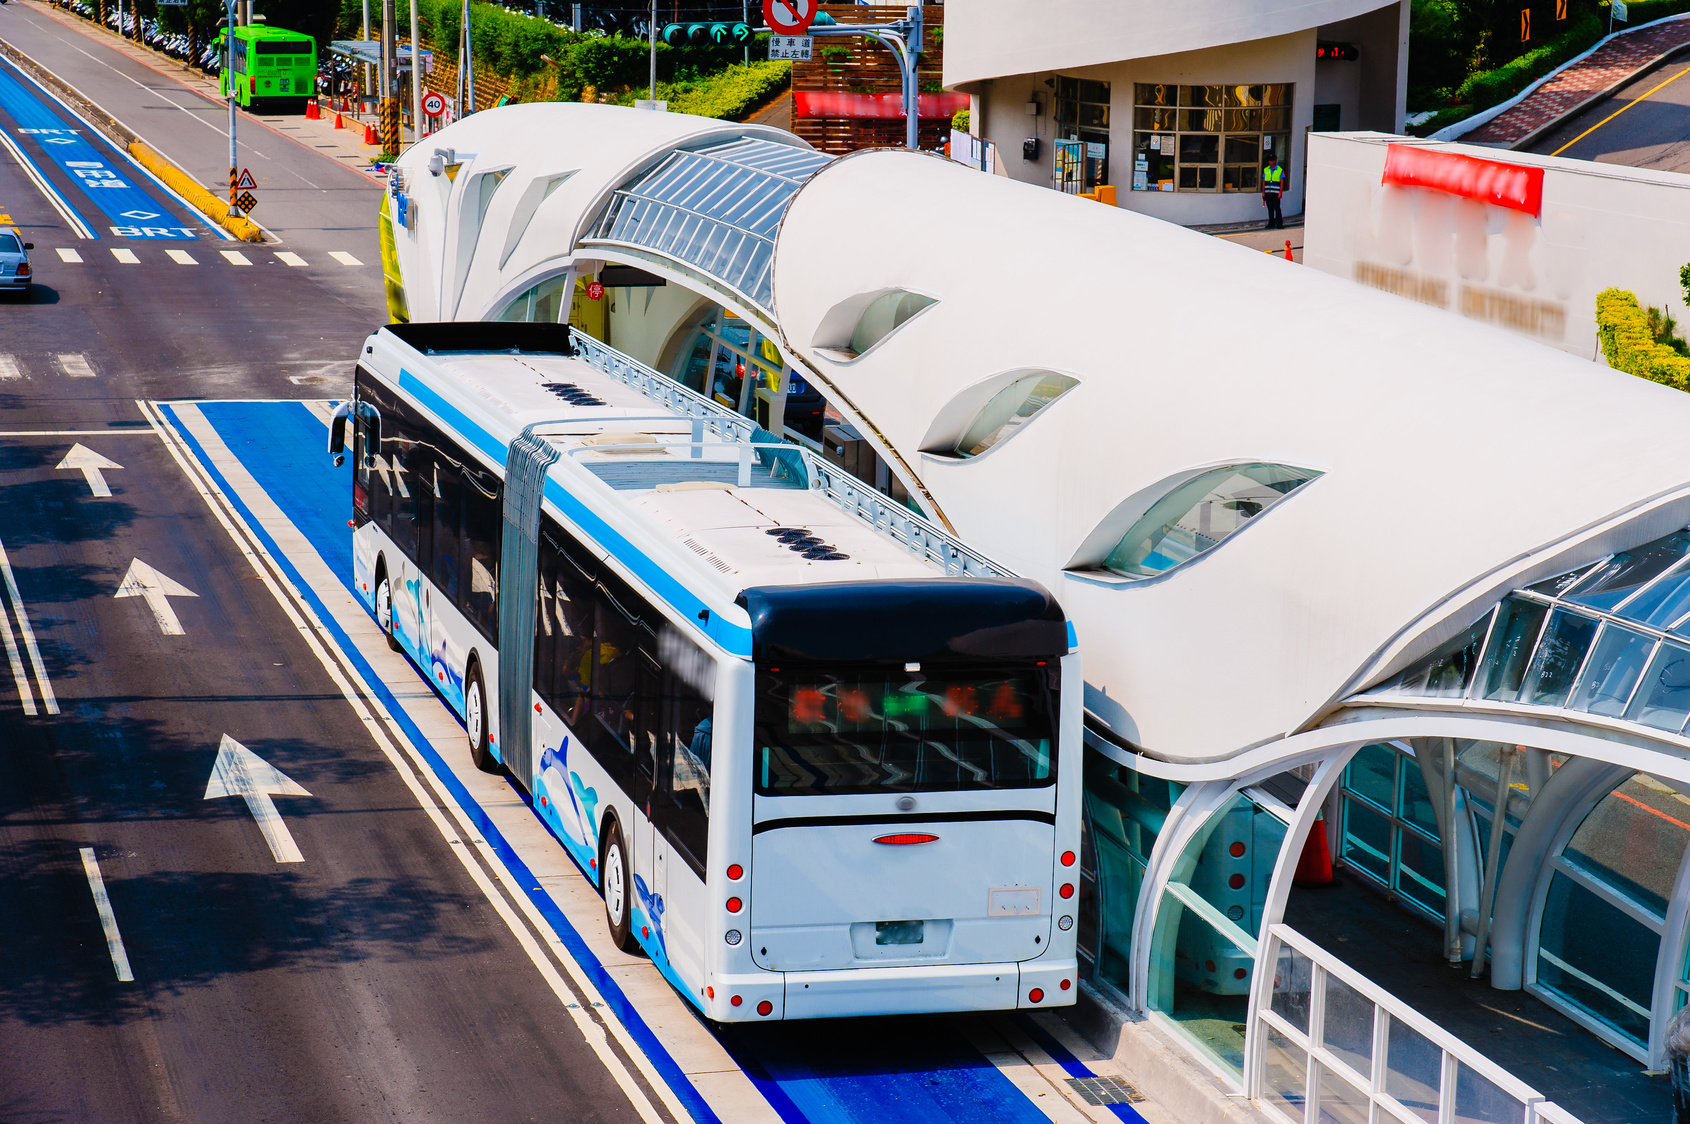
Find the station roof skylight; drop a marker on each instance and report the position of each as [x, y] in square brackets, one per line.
[715, 208]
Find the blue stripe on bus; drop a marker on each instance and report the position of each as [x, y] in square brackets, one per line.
[241, 421]
[732, 637]
[1073, 638]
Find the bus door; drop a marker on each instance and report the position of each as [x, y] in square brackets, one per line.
[680, 805]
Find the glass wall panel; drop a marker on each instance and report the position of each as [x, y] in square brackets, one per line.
[1285, 1075]
[1615, 665]
[1340, 1102]
[1349, 1026]
[1509, 652]
[1596, 957]
[1634, 840]
[1293, 977]
[1207, 924]
[1664, 603]
[1663, 698]
[1390, 829]
[1622, 575]
[1413, 1070]
[1124, 815]
[1559, 654]
[1479, 1101]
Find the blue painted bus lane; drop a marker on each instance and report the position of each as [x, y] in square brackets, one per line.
[111, 183]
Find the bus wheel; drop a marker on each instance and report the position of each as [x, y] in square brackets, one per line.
[384, 611]
[475, 721]
[613, 880]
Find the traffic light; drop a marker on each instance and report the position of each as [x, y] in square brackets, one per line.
[1336, 52]
[706, 34]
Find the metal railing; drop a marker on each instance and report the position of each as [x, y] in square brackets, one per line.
[1332, 1044]
[915, 533]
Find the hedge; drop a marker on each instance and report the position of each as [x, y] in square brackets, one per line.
[730, 94]
[1629, 346]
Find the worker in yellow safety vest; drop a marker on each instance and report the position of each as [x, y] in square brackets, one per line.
[1273, 186]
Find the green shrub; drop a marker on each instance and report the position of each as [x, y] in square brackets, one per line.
[1489, 87]
[1630, 346]
[729, 94]
[961, 118]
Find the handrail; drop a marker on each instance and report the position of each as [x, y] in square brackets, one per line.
[1456, 1054]
[854, 497]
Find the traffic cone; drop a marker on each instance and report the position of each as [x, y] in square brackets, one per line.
[339, 121]
[370, 134]
[313, 111]
[1288, 256]
[1314, 865]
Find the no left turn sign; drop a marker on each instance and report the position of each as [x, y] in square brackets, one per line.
[433, 104]
[789, 17]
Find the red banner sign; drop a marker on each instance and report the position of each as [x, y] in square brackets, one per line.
[833, 103]
[1515, 186]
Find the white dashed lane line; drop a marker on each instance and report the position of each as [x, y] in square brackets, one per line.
[182, 257]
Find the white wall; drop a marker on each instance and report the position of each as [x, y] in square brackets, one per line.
[643, 320]
[1602, 225]
[996, 38]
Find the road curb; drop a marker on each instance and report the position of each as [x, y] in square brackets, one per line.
[144, 154]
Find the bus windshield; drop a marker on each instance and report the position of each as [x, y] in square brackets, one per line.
[878, 729]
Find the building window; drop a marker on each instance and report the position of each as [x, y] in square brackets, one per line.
[885, 315]
[1201, 514]
[1209, 138]
[1082, 133]
[1390, 832]
[1010, 408]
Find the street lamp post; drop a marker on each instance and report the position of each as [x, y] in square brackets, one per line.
[897, 36]
[229, 80]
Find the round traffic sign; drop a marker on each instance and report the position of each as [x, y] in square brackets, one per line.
[595, 291]
[789, 17]
[433, 104]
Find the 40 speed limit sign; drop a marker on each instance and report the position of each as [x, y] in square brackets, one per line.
[789, 17]
[433, 104]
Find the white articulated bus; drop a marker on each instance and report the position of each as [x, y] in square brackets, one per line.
[820, 758]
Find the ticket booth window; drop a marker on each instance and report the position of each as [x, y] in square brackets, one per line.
[1208, 138]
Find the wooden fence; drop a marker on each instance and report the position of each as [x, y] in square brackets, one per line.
[859, 65]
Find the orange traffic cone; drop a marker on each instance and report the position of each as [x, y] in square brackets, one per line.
[370, 134]
[1288, 256]
[339, 121]
[313, 111]
[1314, 865]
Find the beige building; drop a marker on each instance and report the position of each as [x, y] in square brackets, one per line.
[1178, 106]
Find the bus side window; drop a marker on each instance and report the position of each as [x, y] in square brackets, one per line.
[482, 525]
[563, 641]
[403, 457]
[684, 728]
[448, 507]
[613, 732]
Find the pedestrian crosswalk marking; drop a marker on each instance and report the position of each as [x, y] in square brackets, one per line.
[76, 366]
[287, 258]
[344, 258]
[181, 257]
[69, 255]
[9, 369]
[235, 257]
[127, 257]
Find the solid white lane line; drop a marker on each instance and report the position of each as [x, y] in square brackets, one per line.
[288, 258]
[127, 257]
[108, 920]
[234, 257]
[19, 675]
[76, 225]
[434, 799]
[9, 369]
[181, 257]
[28, 634]
[70, 256]
[344, 258]
[75, 365]
[74, 432]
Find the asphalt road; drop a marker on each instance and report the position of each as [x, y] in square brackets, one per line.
[371, 981]
[312, 204]
[1645, 124]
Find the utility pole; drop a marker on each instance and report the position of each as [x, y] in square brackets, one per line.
[365, 91]
[466, 67]
[229, 73]
[389, 83]
[416, 76]
[903, 38]
[653, 32]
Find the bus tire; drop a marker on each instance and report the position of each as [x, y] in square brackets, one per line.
[475, 721]
[384, 609]
[614, 884]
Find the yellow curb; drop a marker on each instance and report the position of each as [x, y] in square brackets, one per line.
[191, 190]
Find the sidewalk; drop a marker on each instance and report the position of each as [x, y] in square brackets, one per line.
[343, 145]
[1252, 235]
[1608, 67]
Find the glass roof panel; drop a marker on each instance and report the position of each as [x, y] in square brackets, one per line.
[1625, 573]
[715, 208]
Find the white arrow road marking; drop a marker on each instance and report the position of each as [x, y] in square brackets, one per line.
[241, 772]
[91, 464]
[293, 260]
[75, 365]
[9, 369]
[144, 581]
[47, 698]
[127, 257]
[234, 257]
[344, 258]
[108, 920]
[181, 257]
[69, 256]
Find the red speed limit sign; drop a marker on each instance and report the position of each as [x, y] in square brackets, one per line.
[433, 104]
[789, 17]
[595, 291]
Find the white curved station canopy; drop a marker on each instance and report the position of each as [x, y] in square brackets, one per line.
[1258, 490]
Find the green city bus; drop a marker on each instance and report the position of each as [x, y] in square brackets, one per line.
[274, 70]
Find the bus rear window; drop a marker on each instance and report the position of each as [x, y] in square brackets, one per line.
[842, 731]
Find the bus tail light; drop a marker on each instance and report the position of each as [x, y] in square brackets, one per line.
[906, 839]
[1066, 984]
[765, 1007]
[735, 872]
[1067, 858]
[736, 1001]
[1067, 890]
[735, 905]
[1037, 995]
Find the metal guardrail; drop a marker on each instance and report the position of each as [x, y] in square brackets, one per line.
[1332, 1044]
[854, 497]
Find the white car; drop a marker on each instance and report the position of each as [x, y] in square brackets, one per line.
[15, 273]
